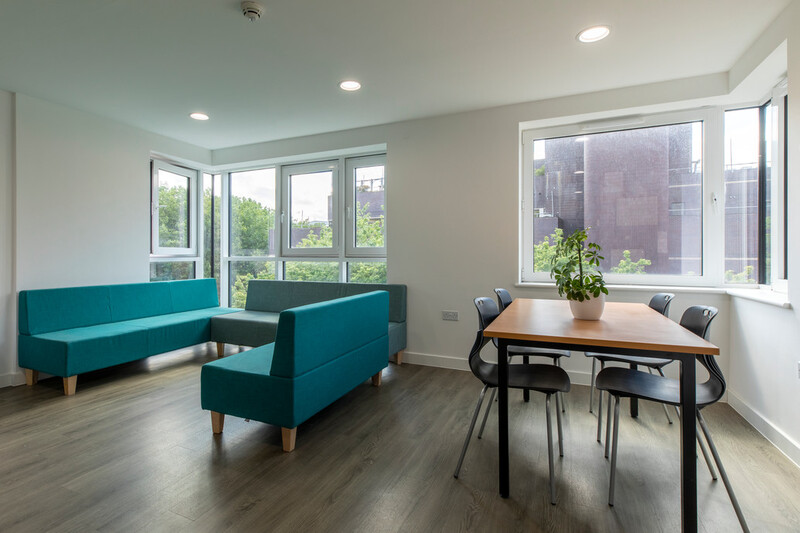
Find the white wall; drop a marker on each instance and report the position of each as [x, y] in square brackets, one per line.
[8, 323]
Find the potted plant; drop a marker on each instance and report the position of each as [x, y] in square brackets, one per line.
[574, 268]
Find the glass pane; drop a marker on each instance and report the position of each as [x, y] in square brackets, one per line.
[371, 272]
[212, 200]
[370, 210]
[311, 271]
[173, 210]
[640, 192]
[241, 272]
[741, 195]
[311, 198]
[166, 271]
[253, 212]
[771, 139]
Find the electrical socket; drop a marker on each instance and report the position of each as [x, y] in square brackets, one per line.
[450, 315]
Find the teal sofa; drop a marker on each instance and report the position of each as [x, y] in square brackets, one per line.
[257, 323]
[321, 352]
[69, 331]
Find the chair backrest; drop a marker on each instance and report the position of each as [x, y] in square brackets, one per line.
[660, 302]
[697, 319]
[487, 312]
[504, 298]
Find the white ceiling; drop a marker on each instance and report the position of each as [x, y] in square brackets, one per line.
[149, 63]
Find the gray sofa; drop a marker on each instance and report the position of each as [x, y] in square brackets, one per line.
[257, 324]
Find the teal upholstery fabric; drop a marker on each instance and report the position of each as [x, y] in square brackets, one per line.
[245, 328]
[138, 300]
[79, 329]
[74, 351]
[48, 310]
[272, 296]
[193, 294]
[322, 351]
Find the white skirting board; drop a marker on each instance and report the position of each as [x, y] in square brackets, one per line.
[771, 432]
[12, 380]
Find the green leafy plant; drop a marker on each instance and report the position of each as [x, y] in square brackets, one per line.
[629, 266]
[574, 267]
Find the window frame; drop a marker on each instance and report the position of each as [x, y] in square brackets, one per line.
[194, 204]
[351, 164]
[285, 206]
[712, 188]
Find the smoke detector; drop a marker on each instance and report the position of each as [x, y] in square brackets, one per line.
[252, 10]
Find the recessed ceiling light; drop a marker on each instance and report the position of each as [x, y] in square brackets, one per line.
[594, 34]
[199, 116]
[349, 85]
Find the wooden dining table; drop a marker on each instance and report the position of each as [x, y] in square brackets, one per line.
[624, 328]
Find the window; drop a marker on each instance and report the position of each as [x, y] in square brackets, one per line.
[307, 222]
[755, 177]
[212, 204]
[173, 214]
[639, 189]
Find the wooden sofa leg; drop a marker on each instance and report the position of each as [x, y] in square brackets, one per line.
[31, 376]
[398, 357]
[220, 349]
[69, 385]
[217, 421]
[376, 379]
[288, 436]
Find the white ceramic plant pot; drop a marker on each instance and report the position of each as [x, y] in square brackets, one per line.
[591, 309]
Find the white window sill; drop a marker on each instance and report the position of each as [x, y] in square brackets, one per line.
[765, 296]
[632, 288]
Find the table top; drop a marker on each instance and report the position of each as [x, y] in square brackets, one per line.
[632, 326]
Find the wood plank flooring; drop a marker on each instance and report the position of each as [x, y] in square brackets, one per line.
[133, 451]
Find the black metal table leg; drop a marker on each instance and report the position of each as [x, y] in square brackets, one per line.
[526, 394]
[688, 450]
[634, 401]
[502, 413]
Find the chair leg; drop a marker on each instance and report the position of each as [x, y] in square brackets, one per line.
[707, 457]
[550, 452]
[591, 386]
[666, 411]
[600, 413]
[288, 438]
[722, 473]
[614, 452]
[526, 394]
[560, 431]
[471, 429]
[217, 422]
[486, 413]
[608, 426]
[561, 394]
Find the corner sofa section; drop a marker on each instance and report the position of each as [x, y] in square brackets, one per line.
[321, 352]
[69, 331]
[257, 324]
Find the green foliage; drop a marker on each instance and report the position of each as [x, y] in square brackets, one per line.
[539, 171]
[207, 214]
[173, 217]
[574, 268]
[627, 266]
[252, 224]
[545, 252]
[746, 276]
[167, 271]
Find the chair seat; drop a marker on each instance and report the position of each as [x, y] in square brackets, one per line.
[629, 383]
[652, 362]
[537, 352]
[540, 378]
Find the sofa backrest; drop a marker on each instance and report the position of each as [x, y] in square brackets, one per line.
[275, 296]
[312, 335]
[45, 310]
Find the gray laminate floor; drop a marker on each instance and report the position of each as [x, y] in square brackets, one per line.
[133, 451]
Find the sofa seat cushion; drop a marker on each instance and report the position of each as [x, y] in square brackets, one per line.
[177, 330]
[74, 351]
[245, 328]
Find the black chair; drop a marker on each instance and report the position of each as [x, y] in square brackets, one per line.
[627, 383]
[504, 299]
[547, 379]
[659, 302]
